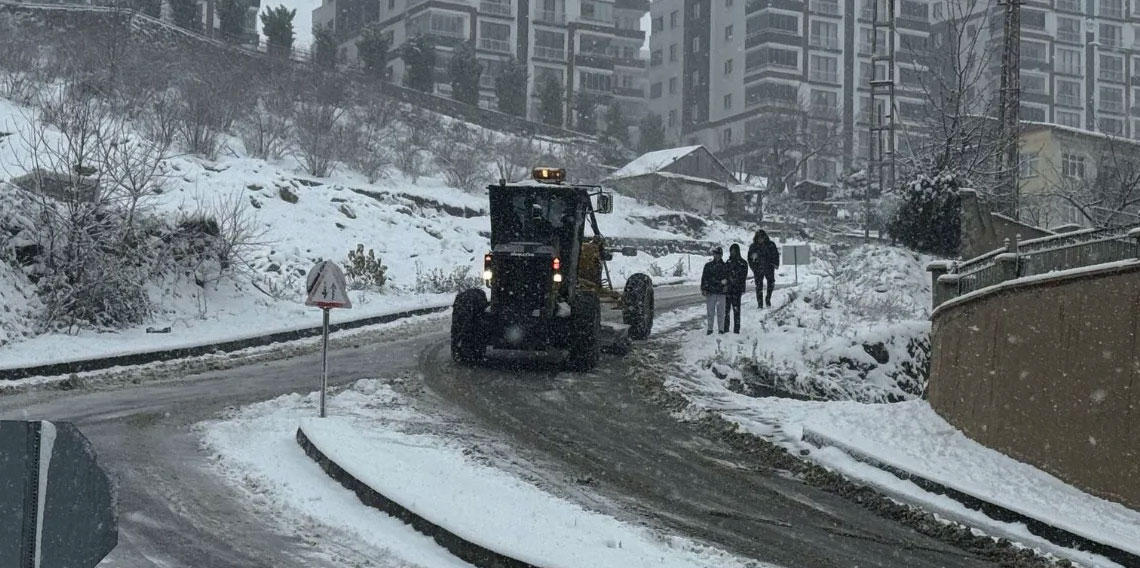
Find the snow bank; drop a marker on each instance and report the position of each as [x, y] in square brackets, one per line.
[376, 434]
[18, 306]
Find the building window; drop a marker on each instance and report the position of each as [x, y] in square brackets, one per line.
[771, 56]
[938, 11]
[1035, 52]
[824, 69]
[1112, 99]
[672, 85]
[829, 7]
[726, 138]
[770, 93]
[728, 33]
[825, 34]
[1033, 19]
[696, 44]
[1111, 36]
[697, 11]
[655, 90]
[391, 5]
[1032, 113]
[659, 24]
[672, 118]
[596, 82]
[1111, 67]
[696, 77]
[728, 102]
[727, 3]
[774, 21]
[917, 10]
[1028, 165]
[1072, 165]
[1136, 60]
[673, 20]
[1069, 93]
[1067, 118]
[655, 59]
[824, 103]
[1069, 61]
[1068, 30]
[673, 53]
[1111, 9]
[1113, 126]
[865, 40]
[1034, 83]
[728, 67]
[910, 77]
[1070, 5]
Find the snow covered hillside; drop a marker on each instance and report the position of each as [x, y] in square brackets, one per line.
[430, 237]
[855, 328]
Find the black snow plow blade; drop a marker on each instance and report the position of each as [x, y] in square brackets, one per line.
[615, 338]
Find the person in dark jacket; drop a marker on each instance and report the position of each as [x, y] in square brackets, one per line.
[714, 283]
[764, 258]
[737, 283]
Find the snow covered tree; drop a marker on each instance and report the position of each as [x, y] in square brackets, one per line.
[372, 48]
[419, 58]
[277, 25]
[186, 14]
[464, 70]
[550, 94]
[617, 127]
[510, 88]
[586, 112]
[324, 48]
[231, 20]
[928, 219]
[652, 136]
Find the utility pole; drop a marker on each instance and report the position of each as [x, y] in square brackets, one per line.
[881, 158]
[1009, 107]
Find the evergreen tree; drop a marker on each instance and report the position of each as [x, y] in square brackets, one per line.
[465, 69]
[617, 127]
[277, 25]
[510, 88]
[652, 134]
[419, 58]
[550, 94]
[373, 50]
[324, 48]
[586, 112]
[928, 219]
[231, 19]
[186, 14]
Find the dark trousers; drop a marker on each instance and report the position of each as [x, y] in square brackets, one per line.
[732, 310]
[764, 274]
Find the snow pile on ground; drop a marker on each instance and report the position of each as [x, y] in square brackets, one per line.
[855, 328]
[377, 434]
[18, 306]
[430, 237]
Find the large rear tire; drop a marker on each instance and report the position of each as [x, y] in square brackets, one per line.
[585, 333]
[638, 306]
[468, 346]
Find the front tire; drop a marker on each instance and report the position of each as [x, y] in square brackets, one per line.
[585, 333]
[467, 344]
[638, 306]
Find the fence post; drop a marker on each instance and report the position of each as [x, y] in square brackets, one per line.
[939, 292]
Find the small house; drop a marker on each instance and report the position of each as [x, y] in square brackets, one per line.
[688, 179]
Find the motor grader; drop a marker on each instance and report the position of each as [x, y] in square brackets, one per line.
[549, 281]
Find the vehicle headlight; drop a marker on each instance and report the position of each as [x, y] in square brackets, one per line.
[557, 277]
[486, 275]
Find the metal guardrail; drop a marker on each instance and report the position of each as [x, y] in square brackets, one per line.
[1035, 257]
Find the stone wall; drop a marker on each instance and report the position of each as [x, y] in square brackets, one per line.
[984, 231]
[1048, 371]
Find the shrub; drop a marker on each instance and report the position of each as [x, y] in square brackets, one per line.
[439, 281]
[927, 220]
[364, 270]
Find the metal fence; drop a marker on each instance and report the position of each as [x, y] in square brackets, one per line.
[1045, 255]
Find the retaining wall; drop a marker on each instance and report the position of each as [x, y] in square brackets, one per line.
[1047, 369]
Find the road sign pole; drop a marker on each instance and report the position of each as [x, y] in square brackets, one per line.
[796, 260]
[325, 362]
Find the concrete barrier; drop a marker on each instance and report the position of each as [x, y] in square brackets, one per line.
[1046, 369]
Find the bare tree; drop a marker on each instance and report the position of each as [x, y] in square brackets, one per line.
[417, 132]
[790, 138]
[267, 130]
[462, 155]
[320, 136]
[371, 149]
[514, 156]
[201, 116]
[19, 65]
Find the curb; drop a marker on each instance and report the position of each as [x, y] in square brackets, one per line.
[198, 350]
[1054, 535]
[463, 549]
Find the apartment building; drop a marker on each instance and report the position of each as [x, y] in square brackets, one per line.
[588, 45]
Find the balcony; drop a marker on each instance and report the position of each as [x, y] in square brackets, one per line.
[828, 7]
[825, 42]
[495, 8]
[629, 92]
[1115, 107]
[550, 17]
[551, 53]
[630, 62]
[824, 76]
[501, 46]
[1116, 75]
[486, 81]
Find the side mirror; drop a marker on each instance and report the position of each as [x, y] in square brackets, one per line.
[607, 256]
[628, 251]
[605, 204]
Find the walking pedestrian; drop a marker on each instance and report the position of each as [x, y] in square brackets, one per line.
[714, 282]
[737, 283]
[764, 258]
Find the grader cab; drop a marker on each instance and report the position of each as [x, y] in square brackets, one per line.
[549, 283]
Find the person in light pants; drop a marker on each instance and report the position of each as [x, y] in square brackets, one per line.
[714, 284]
